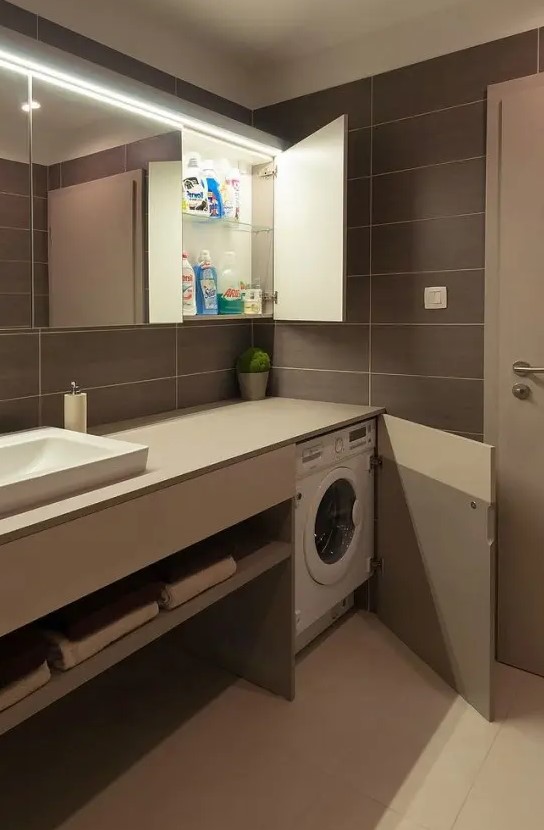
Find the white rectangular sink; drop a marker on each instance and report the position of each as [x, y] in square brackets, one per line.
[46, 464]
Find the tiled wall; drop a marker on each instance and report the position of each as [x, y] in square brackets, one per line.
[127, 373]
[416, 202]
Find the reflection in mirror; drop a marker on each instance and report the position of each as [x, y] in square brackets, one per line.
[15, 222]
[91, 240]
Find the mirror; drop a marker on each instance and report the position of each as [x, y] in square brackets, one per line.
[15, 213]
[94, 258]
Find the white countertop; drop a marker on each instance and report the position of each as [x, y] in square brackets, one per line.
[187, 445]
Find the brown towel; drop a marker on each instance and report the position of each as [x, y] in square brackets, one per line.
[24, 686]
[193, 571]
[21, 653]
[99, 610]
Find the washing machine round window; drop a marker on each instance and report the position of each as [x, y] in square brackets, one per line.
[333, 527]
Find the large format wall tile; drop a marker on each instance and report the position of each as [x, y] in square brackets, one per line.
[541, 50]
[358, 299]
[106, 357]
[358, 251]
[399, 298]
[442, 351]
[208, 348]
[338, 387]
[19, 366]
[358, 202]
[446, 135]
[457, 78]
[359, 142]
[444, 403]
[298, 117]
[197, 390]
[14, 177]
[425, 193]
[309, 346]
[15, 277]
[431, 245]
[94, 166]
[17, 19]
[163, 147]
[19, 414]
[14, 244]
[15, 310]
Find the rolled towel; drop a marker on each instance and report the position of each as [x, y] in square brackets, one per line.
[65, 653]
[190, 573]
[24, 686]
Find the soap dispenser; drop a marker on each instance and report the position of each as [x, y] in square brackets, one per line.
[75, 409]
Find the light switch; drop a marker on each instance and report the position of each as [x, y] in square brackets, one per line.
[436, 297]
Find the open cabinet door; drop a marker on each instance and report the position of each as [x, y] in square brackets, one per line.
[309, 227]
[435, 541]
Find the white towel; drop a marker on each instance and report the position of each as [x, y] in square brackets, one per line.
[65, 654]
[176, 593]
[24, 687]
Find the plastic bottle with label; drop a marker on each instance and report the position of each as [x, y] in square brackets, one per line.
[195, 187]
[188, 278]
[229, 290]
[215, 199]
[206, 285]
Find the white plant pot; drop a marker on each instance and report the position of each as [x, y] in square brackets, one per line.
[253, 385]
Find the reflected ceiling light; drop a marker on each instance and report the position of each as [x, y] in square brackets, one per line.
[34, 105]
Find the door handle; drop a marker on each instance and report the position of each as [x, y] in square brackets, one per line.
[521, 368]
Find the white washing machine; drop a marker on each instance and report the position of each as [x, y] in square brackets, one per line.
[334, 525]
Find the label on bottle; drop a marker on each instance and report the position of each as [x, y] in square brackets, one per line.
[195, 196]
[230, 301]
[209, 293]
[188, 289]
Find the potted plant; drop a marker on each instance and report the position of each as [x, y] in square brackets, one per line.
[253, 368]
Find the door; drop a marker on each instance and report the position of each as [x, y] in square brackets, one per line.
[515, 398]
[96, 252]
[333, 527]
[310, 227]
[435, 543]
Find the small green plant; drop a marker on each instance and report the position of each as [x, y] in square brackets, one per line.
[253, 360]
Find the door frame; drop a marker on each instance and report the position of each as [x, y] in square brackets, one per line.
[495, 97]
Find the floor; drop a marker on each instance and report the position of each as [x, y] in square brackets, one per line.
[374, 741]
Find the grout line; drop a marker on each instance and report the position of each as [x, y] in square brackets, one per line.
[432, 377]
[415, 273]
[208, 372]
[109, 385]
[430, 165]
[401, 324]
[40, 377]
[368, 126]
[429, 112]
[429, 219]
[177, 366]
[357, 227]
[478, 771]
[358, 178]
[336, 371]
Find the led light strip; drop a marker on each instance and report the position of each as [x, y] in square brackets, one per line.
[28, 68]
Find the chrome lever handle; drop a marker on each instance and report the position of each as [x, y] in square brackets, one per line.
[521, 368]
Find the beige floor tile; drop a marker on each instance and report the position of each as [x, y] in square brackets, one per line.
[492, 814]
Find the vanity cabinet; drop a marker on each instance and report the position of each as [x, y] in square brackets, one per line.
[289, 238]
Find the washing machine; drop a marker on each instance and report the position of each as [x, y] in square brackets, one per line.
[334, 525]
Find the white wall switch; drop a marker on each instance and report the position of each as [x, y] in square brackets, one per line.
[436, 297]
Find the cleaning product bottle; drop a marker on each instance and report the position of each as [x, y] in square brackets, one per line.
[195, 188]
[215, 200]
[229, 289]
[227, 190]
[234, 177]
[189, 287]
[206, 285]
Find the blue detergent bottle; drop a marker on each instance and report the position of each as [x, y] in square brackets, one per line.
[215, 199]
[206, 285]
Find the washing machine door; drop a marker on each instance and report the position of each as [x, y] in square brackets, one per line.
[333, 527]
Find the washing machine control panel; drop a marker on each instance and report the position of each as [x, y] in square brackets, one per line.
[327, 450]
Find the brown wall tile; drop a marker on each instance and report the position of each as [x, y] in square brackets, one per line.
[18, 365]
[14, 211]
[15, 278]
[17, 19]
[299, 117]
[104, 357]
[40, 213]
[93, 166]
[432, 245]
[338, 387]
[197, 390]
[442, 351]
[15, 310]
[165, 147]
[457, 78]
[39, 175]
[446, 135]
[541, 50]
[19, 414]
[41, 311]
[443, 403]
[399, 298]
[41, 278]
[338, 347]
[425, 193]
[91, 50]
[358, 299]
[205, 348]
[41, 247]
[216, 103]
[358, 252]
[263, 335]
[14, 177]
[14, 244]
[358, 202]
[53, 177]
[359, 142]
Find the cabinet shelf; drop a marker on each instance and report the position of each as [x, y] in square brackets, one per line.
[227, 224]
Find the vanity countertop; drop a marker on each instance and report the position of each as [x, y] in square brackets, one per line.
[187, 445]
